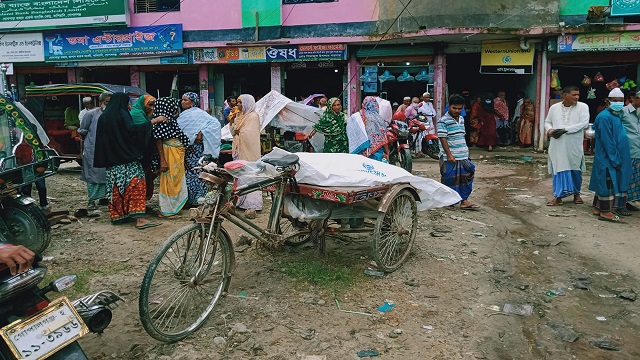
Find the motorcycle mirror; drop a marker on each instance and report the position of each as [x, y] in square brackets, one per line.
[63, 283]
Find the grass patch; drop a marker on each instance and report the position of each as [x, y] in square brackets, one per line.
[83, 279]
[323, 273]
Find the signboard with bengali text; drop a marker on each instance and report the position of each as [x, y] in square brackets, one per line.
[622, 41]
[55, 14]
[27, 47]
[92, 44]
[311, 52]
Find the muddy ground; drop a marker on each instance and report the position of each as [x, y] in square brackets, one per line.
[560, 266]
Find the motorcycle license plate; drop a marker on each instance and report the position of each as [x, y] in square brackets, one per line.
[45, 332]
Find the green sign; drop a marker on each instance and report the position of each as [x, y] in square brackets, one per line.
[55, 14]
[579, 7]
[625, 7]
[269, 12]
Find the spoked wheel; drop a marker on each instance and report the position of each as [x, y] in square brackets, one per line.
[405, 159]
[395, 232]
[294, 232]
[176, 300]
[26, 225]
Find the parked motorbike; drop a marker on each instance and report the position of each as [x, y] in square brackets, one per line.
[399, 145]
[34, 327]
[430, 144]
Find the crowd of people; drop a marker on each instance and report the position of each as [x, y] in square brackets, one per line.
[615, 176]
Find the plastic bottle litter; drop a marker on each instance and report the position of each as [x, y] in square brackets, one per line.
[374, 272]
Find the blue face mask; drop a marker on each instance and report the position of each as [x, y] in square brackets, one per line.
[487, 101]
[616, 105]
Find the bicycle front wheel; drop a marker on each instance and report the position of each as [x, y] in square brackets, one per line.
[174, 299]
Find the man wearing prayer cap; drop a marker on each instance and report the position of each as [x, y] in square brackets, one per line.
[611, 171]
[88, 105]
[564, 127]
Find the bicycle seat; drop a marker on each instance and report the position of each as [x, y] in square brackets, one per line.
[286, 160]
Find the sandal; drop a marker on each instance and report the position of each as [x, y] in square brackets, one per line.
[578, 201]
[615, 219]
[472, 207]
[554, 202]
[622, 212]
[150, 224]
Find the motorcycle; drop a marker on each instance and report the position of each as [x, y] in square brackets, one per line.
[34, 327]
[430, 144]
[399, 146]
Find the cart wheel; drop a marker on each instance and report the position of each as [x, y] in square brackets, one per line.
[294, 232]
[395, 232]
[173, 301]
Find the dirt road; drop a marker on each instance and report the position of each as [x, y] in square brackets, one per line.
[456, 297]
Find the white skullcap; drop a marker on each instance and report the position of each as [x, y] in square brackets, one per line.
[616, 93]
[406, 98]
[87, 99]
[425, 94]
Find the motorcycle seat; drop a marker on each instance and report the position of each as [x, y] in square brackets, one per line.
[286, 160]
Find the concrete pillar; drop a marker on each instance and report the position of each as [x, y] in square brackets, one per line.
[71, 75]
[439, 82]
[543, 101]
[353, 73]
[134, 76]
[203, 81]
[276, 77]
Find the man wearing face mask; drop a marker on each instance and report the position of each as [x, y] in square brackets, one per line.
[564, 127]
[94, 177]
[611, 161]
[631, 122]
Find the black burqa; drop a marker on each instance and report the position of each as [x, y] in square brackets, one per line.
[118, 139]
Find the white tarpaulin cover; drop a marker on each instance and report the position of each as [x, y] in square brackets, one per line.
[279, 111]
[356, 170]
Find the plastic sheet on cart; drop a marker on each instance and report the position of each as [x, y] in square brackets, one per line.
[324, 169]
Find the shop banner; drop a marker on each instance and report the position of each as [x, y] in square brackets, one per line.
[506, 58]
[178, 59]
[90, 44]
[228, 55]
[625, 7]
[21, 48]
[55, 14]
[319, 52]
[624, 41]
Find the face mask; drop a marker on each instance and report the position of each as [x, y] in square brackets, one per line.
[103, 107]
[616, 105]
[415, 105]
[487, 101]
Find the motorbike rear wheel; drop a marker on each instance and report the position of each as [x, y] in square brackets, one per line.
[173, 301]
[432, 149]
[27, 225]
[406, 162]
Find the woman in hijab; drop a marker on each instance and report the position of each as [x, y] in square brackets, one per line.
[141, 113]
[333, 124]
[171, 142]
[120, 144]
[203, 132]
[486, 118]
[367, 131]
[245, 128]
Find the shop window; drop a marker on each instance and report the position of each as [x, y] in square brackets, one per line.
[305, 1]
[147, 6]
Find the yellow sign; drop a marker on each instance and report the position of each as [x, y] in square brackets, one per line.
[506, 58]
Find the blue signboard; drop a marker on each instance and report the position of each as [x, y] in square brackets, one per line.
[92, 44]
[318, 52]
[625, 7]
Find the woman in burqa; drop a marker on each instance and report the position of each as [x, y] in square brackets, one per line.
[120, 144]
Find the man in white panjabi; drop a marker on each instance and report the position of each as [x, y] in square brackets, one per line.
[564, 127]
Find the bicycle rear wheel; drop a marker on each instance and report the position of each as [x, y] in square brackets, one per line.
[173, 301]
